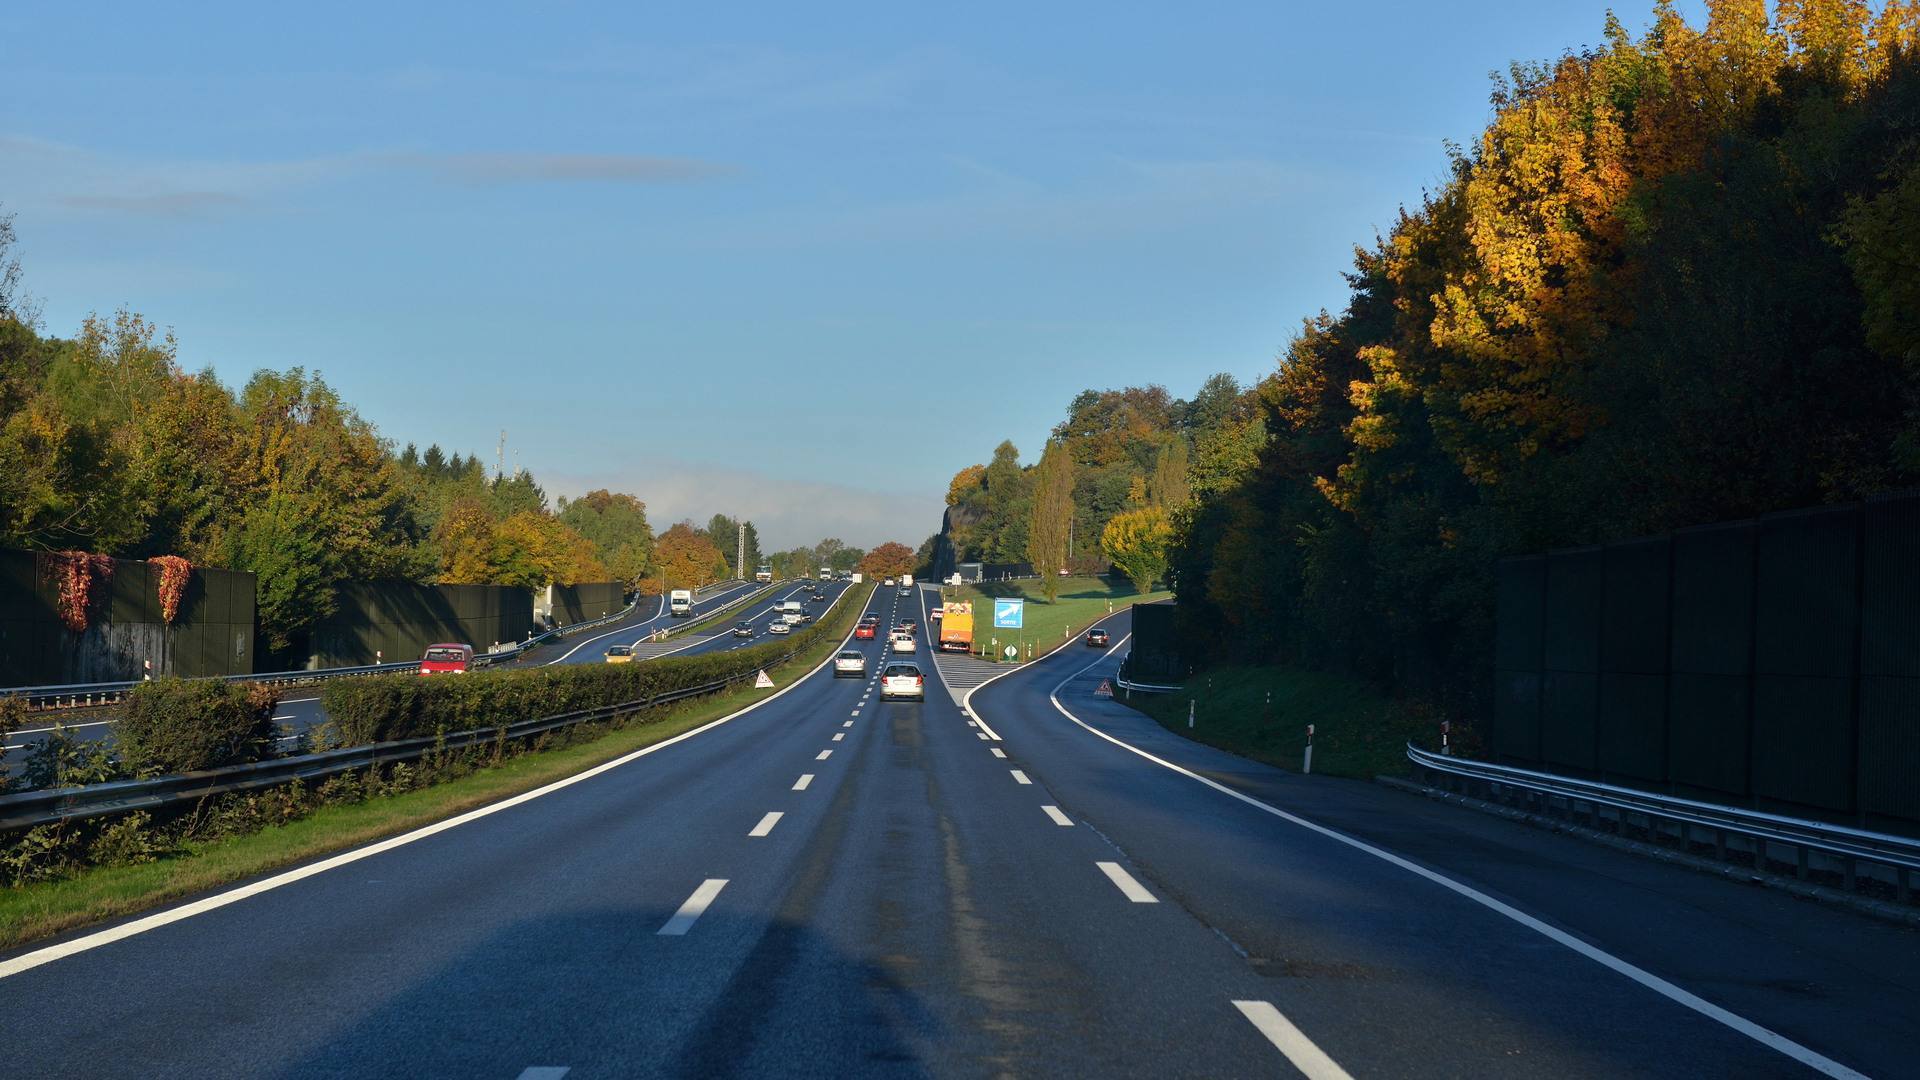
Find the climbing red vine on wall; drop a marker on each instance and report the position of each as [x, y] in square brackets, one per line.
[77, 573]
[174, 572]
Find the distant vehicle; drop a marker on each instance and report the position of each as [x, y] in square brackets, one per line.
[680, 603]
[899, 680]
[857, 578]
[850, 663]
[788, 607]
[935, 614]
[779, 626]
[819, 597]
[1097, 638]
[763, 575]
[906, 590]
[789, 618]
[743, 629]
[910, 624]
[902, 642]
[888, 583]
[447, 658]
[619, 654]
[866, 631]
[907, 580]
[826, 573]
[955, 580]
[956, 628]
[805, 617]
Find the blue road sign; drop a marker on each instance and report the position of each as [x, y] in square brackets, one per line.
[1009, 614]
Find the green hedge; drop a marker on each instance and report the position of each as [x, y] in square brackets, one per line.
[180, 725]
[388, 707]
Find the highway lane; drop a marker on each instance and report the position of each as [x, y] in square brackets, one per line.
[301, 710]
[929, 895]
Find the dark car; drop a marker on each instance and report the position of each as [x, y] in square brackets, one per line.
[1097, 638]
[743, 629]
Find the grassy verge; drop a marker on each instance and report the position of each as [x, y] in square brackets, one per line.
[1082, 601]
[38, 910]
[1263, 712]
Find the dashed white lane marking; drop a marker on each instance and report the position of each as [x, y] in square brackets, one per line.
[855, 712]
[801, 784]
[1123, 881]
[767, 823]
[695, 906]
[544, 1072]
[823, 755]
[999, 753]
[838, 735]
[848, 723]
[1766, 1037]
[1020, 777]
[1299, 1049]
[973, 723]
[1058, 817]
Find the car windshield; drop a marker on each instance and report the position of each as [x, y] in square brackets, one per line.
[902, 670]
[619, 650]
[853, 656]
[446, 656]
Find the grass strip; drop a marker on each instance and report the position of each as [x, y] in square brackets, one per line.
[1082, 601]
[35, 911]
[1263, 712]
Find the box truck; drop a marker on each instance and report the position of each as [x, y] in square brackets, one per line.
[956, 628]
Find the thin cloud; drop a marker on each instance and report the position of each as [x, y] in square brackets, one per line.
[170, 204]
[521, 168]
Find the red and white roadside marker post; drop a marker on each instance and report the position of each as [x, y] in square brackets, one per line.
[1306, 767]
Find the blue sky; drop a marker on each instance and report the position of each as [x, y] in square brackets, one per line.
[798, 263]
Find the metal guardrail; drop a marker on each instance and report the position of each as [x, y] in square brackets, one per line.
[1120, 680]
[46, 806]
[1844, 849]
[85, 695]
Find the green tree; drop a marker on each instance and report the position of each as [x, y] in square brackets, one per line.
[1050, 517]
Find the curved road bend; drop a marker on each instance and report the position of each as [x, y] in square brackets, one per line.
[831, 885]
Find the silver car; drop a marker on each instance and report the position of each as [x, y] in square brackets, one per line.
[850, 663]
[901, 680]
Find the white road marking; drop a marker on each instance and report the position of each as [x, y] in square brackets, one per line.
[838, 735]
[855, 712]
[87, 942]
[1767, 1037]
[1299, 1049]
[1058, 817]
[1122, 880]
[982, 736]
[544, 1072]
[847, 723]
[1020, 777]
[801, 784]
[767, 823]
[999, 753]
[823, 755]
[691, 911]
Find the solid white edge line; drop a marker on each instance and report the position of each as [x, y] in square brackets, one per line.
[695, 906]
[806, 778]
[1125, 882]
[1764, 1036]
[1058, 817]
[767, 822]
[1291, 1042]
[86, 942]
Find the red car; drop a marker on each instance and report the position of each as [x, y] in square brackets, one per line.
[865, 631]
[447, 658]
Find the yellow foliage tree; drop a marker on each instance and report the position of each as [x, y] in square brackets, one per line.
[1137, 543]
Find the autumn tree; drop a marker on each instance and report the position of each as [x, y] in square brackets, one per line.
[1137, 542]
[687, 559]
[1050, 517]
[890, 559]
[615, 523]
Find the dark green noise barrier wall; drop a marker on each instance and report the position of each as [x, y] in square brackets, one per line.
[1772, 663]
[212, 634]
[397, 620]
[1156, 647]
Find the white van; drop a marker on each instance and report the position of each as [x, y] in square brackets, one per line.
[906, 580]
[680, 603]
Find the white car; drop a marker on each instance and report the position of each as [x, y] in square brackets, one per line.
[791, 618]
[850, 663]
[903, 681]
[888, 583]
[778, 627]
[902, 643]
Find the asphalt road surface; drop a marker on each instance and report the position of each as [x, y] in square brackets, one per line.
[832, 885]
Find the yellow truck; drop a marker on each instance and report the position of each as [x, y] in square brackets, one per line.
[956, 628]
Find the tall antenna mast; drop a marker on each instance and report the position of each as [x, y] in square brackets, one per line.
[500, 456]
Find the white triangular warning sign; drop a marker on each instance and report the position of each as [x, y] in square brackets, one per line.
[1105, 689]
[764, 683]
